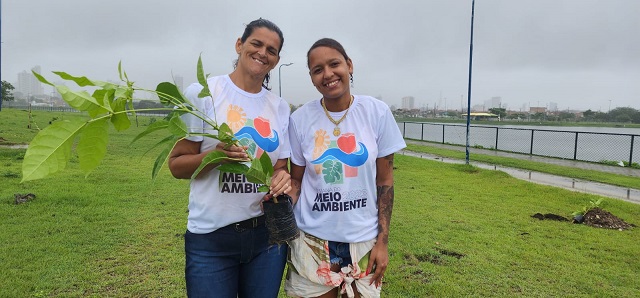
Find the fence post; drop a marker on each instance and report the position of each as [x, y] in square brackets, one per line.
[531, 144]
[497, 129]
[575, 147]
[422, 131]
[631, 151]
[404, 129]
[442, 133]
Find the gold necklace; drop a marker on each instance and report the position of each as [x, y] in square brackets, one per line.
[336, 130]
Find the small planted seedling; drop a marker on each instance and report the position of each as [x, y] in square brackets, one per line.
[578, 216]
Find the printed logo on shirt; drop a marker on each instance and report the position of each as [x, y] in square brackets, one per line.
[258, 136]
[337, 160]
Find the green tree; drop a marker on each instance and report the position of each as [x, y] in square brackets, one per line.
[622, 114]
[538, 116]
[502, 112]
[566, 116]
[7, 95]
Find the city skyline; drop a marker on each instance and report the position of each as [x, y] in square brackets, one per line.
[407, 102]
[578, 56]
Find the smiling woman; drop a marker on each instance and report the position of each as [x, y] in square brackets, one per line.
[226, 243]
[345, 177]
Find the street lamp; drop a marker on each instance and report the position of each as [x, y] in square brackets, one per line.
[280, 77]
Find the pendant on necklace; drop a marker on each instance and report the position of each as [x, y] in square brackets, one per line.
[336, 131]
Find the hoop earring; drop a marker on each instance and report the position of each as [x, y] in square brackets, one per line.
[351, 79]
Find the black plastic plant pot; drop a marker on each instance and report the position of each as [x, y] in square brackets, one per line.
[578, 218]
[280, 220]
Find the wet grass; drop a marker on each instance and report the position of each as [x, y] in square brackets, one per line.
[456, 231]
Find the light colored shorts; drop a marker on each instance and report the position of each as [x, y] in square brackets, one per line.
[309, 273]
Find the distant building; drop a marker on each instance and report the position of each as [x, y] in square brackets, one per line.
[408, 102]
[494, 102]
[28, 84]
[179, 81]
[534, 110]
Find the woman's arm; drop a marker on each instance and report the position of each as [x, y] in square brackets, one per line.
[186, 157]
[380, 252]
[297, 172]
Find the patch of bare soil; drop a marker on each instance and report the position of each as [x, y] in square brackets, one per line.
[23, 198]
[600, 218]
[595, 217]
[550, 216]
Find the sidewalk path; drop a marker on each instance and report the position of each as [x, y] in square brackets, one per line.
[623, 193]
[557, 161]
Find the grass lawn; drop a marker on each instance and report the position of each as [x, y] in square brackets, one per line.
[456, 230]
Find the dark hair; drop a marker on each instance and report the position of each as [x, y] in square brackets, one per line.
[329, 43]
[248, 30]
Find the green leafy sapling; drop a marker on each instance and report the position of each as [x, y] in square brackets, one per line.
[51, 149]
[578, 216]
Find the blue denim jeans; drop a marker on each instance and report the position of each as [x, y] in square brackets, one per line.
[231, 262]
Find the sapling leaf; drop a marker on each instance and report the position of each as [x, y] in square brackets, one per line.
[155, 126]
[171, 138]
[267, 167]
[202, 79]
[160, 161]
[267, 180]
[256, 176]
[81, 81]
[82, 101]
[177, 126]
[236, 168]
[263, 188]
[92, 146]
[120, 70]
[50, 149]
[103, 96]
[41, 78]
[121, 92]
[225, 134]
[120, 120]
[211, 157]
[256, 165]
[169, 94]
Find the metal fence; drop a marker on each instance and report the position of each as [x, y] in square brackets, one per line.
[70, 109]
[6, 105]
[575, 145]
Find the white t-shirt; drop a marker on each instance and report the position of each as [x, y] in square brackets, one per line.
[258, 120]
[338, 201]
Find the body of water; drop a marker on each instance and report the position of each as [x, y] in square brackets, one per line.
[594, 144]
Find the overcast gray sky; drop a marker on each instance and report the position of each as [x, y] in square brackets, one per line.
[580, 54]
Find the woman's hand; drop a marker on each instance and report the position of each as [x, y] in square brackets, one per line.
[280, 183]
[281, 180]
[233, 152]
[378, 258]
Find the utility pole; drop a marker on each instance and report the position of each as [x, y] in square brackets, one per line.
[473, 5]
